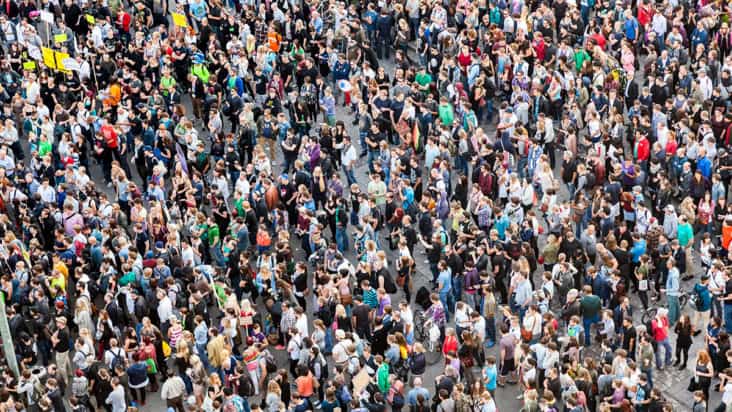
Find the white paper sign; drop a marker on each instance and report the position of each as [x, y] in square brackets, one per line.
[46, 16]
[34, 52]
[71, 64]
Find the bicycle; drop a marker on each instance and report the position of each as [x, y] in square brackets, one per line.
[650, 313]
[428, 333]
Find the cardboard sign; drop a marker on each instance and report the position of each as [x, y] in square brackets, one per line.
[179, 20]
[48, 57]
[60, 38]
[60, 59]
[29, 65]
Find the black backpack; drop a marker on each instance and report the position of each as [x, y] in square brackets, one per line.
[389, 284]
[246, 385]
[591, 179]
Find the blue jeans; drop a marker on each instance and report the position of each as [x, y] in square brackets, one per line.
[586, 324]
[373, 154]
[728, 318]
[203, 355]
[457, 288]
[667, 355]
[717, 307]
[674, 309]
[435, 272]
[521, 166]
[350, 177]
[490, 329]
[445, 299]
[461, 164]
[341, 239]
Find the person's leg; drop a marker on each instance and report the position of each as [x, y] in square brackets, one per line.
[728, 318]
[667, 351]
[586, 324]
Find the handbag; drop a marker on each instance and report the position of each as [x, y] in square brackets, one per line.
[152, 368]
[693, 385]
[346, 298]
[526, 335]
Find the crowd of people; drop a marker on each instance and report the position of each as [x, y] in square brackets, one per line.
[227, 205]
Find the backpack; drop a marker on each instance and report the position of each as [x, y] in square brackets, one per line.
[698, 298]
[117, 359]
[247, 386]
[591, 180]
[270, 364]
[389, 284]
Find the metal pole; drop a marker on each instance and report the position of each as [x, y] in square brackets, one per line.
[7, 336]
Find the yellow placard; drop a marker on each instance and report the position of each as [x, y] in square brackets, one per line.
[179, 20]
[48, 58]
[60, 57]
[29, 65]
[90, 19]
[60, 38]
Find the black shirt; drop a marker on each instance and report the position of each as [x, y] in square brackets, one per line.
[728, 291]
[63, 341]
[361, 313]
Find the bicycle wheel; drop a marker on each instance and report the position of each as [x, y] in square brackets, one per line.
[420, 334]
[648, 315]
[683, 300]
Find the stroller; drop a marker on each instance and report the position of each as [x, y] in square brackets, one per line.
[423, 298]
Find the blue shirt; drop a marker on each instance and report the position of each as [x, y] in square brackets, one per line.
[639, 248]
[704, 165]
[445, 279]
[491, 374]
[412, 395]
[706, 297]
[672, 282]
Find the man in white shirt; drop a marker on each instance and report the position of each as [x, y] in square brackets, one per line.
[117, 397]
[348, 159]
[705, 84]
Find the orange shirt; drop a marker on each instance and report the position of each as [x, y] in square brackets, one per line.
[274, 39]
[726, 235]
[305, 385]
[115, 95]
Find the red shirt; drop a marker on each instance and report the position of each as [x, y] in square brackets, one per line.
[110, 136]
[643, 149]
[464, 60]
[450, 344]
[660, 332]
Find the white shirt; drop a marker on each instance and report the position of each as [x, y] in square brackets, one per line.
[349, 156]
[48, 194]
[165, 309]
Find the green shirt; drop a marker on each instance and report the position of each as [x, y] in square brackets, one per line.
[579, 59]
[44, 147]
[685, 234]
[201, 72]
[213, 234]
[423, 79]
[447, 116]
[382, 376]
[590, 306]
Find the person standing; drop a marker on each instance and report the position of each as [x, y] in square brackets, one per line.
[117, 398]
[61, 345]
[703, 307]
[173, 391]
[590, 306]
[672, 291]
